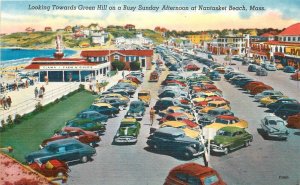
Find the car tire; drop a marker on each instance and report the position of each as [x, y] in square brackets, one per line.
[247, 143]
[84, 159]
[187, 154]
[226, 151]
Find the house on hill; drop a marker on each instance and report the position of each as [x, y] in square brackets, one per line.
[129, 27]
[29, 30]
[48, 28]
[68, 29]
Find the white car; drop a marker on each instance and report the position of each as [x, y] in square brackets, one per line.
[274, 127]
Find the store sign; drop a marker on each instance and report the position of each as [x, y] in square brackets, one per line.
[69, 67]
[293, 51]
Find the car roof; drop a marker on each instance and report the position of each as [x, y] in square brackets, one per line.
[175, 107]
[272, 117]
[102, 104]
[170, 131]
[218, 110]
[167, 98]
[176, 114]
[217, 102]
[81, 121]
[144, 91]
[231, 129]
[174, 123]
[70, 129]
[62, 142]
[136, 102]
[128, 120]
[192, 169]
[89, 112]
[227, 117]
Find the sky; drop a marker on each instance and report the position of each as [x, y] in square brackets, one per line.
[16, 16]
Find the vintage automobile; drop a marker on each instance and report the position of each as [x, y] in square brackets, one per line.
[252, 68]
[225, 120]
[221, 70]
[145, 96]
[230, 138]
[172, 94]
[294, 121]
[279, 66]
[270, 99]
[154, 76]
[166, 82]
[53, 169]
[128, 81]
[204, 103]
[214, 76]
[289, 69]
[177, 116]
[210, 117]
[215, 104]
[193, 173]
[278, 103]
[164, 103]
[274, 127]
[266, 93]
[93, 115]
[83, 136]
[128, 131]
[261, 71]
[114, 95]
[175, 109]
[87, 124]
[296, 76]
[137, 74]
[136, 110]
[270, 67]
[192, 133]
[252, 85]
[64, 149]
[243, 82]
[125, 87]
[134, 79]
[288, 109]
[115, 102]
[191, 67]
[104, 108]
[231, 74]
[174, 141]
[202, 96]
[260, 88]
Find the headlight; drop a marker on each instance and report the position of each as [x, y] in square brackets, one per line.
[194, 145]
[221, 145]
[118, 134]
[134, 134]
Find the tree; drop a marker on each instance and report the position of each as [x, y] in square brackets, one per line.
[118, 65]
[135, 66]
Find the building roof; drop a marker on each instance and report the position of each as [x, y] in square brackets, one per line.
[274, 42]
[97, 53]
[291, 30]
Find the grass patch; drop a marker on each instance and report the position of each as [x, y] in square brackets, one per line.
[28, 135]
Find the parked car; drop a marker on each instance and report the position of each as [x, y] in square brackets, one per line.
[172, 94]
[260, 88]
[230, 138]
[93, 115]
[270, 67]
[214, 76]
[83, 136]
[289, 69]
[266, 93]
[175, 141]
[215, 104]
[210, 117]
[193, 173]
[294, 121]
[128, 131]
[164, 103]
[136, 110]
[64, 149]
[145, 96]
[114, 95]
[278, 103]
[175, 109]
[221, 70]
[104, 108]
[252, 68]
[191, 67]
[154, 76]
[296, 76]
[261, 72]
[176, 117]
[125, 92]
[274, 127]
[115, 102]
[288, 109]
[192, 133]
[279, 66]
[270, 99]
[87, 124]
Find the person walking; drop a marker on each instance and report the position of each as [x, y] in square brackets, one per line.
[152, 115]
[123, 74]
[8, 101]
[43, 89]
[4, 103]
[36, 92]
[41, 93]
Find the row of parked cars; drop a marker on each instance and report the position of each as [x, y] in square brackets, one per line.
[283, 107]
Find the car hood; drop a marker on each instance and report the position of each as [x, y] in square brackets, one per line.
[37, 154]
[144, 98]
[221, 140]
[127, 131]
[277, 128]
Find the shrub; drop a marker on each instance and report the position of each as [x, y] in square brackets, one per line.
[2, 127]
[9, 121]
[18, 119]
[135, 66]
[118, 65]
[56, 100]
[81, 87]
[39, 107]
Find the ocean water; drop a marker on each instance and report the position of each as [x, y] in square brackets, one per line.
[11, 57]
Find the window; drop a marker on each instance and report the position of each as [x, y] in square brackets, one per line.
[210, 180]
[182, 177]
[298, 38]
[61, 149]
[289, 38]
[116, 57]
[193, 180]
[294, 38]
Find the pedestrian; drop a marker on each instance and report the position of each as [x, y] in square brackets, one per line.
[41, 93]
[152, 115]
[8, 102]
[26, 83]
[17, 85]
[46, 80]
[36, 92]
[43, 89]
[4, 103]
[123, 74]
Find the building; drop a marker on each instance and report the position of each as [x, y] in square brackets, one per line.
[129, 27]
[60, 69]
[235, 45]
[99, 38]
[200, 38]
[29, 30]
[48, 28]
[284, 49]
[145, 57]
[68, 29]
[139, 40]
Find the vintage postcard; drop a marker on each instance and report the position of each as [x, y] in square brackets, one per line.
[153, 92]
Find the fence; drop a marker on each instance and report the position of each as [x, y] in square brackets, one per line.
[28, 105]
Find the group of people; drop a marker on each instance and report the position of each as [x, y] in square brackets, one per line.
[6, 102]
[39, 93]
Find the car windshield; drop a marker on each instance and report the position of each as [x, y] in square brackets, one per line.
[210, 180]
[50, 148]
[134, 105]
[223, 133]
[143, 94]
[212, 105]
[223, 121]
[128, 125]
[278, 122]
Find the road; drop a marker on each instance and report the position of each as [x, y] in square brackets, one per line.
[264, 162]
